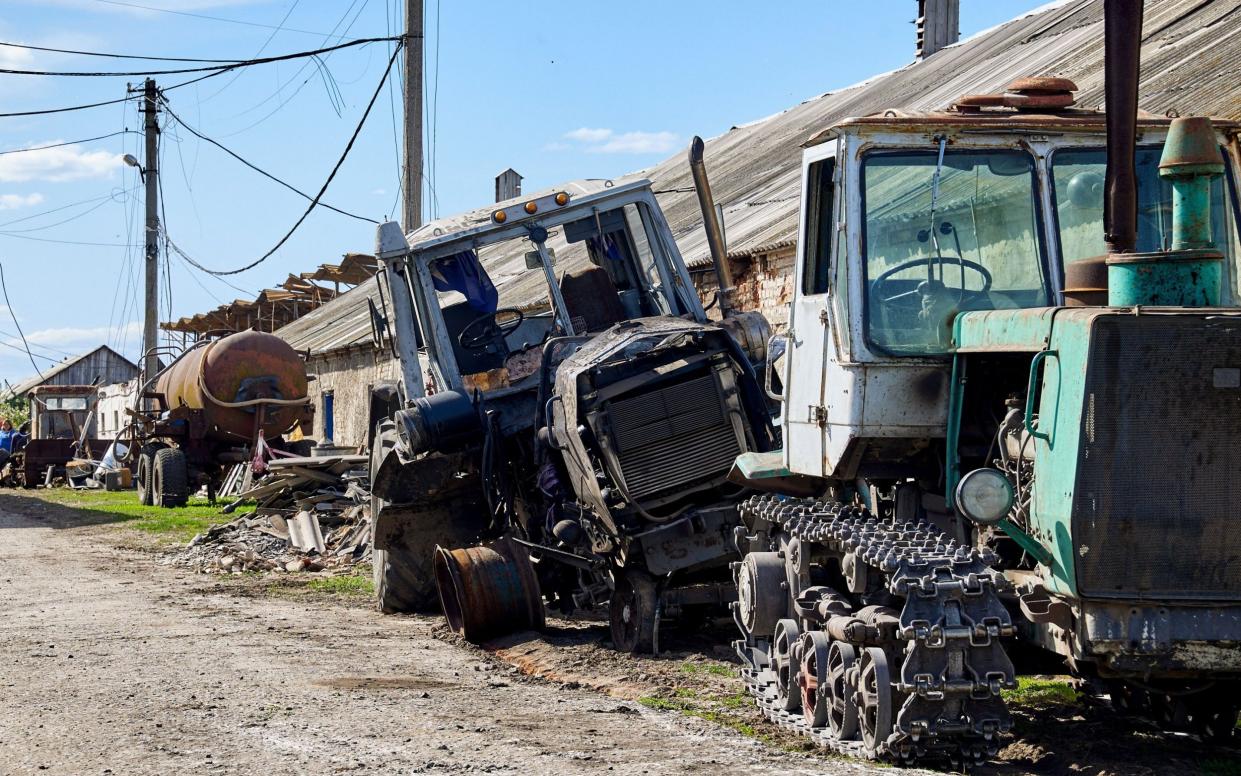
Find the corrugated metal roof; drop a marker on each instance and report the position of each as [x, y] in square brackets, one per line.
[1191, 54]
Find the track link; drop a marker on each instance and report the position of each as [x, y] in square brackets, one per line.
[945, 666]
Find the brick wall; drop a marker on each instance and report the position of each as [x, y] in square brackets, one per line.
[764, 282]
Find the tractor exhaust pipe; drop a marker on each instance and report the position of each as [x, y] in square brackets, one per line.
[1122, 38]
[711, 223]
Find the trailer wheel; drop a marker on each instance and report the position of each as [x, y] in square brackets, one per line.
[146, 456]
[170, 486]
[632, 612]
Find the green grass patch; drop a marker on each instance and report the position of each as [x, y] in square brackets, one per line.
[179, 524]
[708, 667]
[346, 585]
[1221, 766]
[1040, 692]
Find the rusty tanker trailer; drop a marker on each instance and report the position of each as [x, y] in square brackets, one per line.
[222, 402]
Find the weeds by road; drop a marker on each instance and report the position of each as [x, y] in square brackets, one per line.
[166, 525]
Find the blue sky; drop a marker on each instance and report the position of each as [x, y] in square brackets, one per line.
[555, 89]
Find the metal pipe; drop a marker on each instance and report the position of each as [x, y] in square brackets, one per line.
[1122, 36]
[711, 223]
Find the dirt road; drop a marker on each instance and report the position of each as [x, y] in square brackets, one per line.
[113, 664]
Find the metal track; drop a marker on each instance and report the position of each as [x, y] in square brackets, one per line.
[948, 685]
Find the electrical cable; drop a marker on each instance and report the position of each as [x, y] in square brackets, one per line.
[111, 195]
[209, 68]
[190, 261]
[111, 56]
[339, 162]
[4, 287]
[258, 169]
[66, 143]
[69, 108]
[262, 48]
[203, 16]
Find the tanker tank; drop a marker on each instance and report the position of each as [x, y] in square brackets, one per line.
[235, 378]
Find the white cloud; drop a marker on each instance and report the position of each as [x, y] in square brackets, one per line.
[56, 165]
[15, 58]
[13, 201]
[609, 141]
[588, 135]
[79, 339]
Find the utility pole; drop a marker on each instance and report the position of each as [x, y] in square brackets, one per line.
[412, 174]
[150, 364]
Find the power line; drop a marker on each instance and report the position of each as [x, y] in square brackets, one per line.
[111, 195]
[203, 16]
[4, 287]
[339, 162]
[46, 111]
[66, 143]
[209, 68]
[259, 170]
[111, 56]
[67, 242]
[262, 48]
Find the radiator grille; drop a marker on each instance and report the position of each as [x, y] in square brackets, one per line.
[1155, 509]
[674, 436]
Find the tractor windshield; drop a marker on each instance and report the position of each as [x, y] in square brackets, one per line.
[976, 247]
[1078, 181]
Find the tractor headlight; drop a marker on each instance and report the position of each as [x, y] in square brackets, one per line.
[985, 496]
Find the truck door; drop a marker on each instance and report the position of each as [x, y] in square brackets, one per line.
[805, 410]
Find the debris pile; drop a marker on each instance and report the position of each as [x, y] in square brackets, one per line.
[313, 514]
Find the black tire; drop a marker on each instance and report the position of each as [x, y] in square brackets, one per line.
[146, 456]
[632, 613]
[170, 479]
[404, 573]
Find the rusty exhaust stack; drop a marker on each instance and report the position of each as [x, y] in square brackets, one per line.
[1122, 36]
[711, 223]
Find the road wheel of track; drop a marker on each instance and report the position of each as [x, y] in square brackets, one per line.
[785, 661]
[874, 698]
[812, 678]
[632, 612]
[841, 711]
[146, 456]
[170, 479]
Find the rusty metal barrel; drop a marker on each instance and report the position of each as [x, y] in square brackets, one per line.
[234, 379]
[488, 591]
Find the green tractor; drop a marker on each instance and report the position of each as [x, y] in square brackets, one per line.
[1011, 417]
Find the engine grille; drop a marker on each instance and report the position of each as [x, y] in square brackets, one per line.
[674, 436]
[1155, 509]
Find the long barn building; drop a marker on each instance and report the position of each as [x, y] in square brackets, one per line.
[1191, 52]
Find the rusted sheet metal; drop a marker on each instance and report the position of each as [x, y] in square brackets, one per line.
[488, 591]
[239, 369]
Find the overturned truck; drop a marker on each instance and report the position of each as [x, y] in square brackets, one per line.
[585, 413]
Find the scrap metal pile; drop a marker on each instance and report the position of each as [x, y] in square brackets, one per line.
[312, 514]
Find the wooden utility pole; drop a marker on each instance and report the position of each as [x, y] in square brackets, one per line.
[150, 364]
[412, 174]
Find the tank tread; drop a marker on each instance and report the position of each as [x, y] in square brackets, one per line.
[954, 666]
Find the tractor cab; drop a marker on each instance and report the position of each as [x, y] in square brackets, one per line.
[910, 220]
[491, 287]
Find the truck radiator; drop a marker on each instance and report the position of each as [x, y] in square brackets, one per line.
[675, 436]
[1157, 510]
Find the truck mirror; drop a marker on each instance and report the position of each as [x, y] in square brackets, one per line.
[776, 347]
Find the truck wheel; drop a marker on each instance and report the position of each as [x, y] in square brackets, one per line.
[632, 612]
[404, 572]
[170, 486]
[146, 456]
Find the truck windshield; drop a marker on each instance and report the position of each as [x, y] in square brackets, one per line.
[979, 248]
[1078, 180]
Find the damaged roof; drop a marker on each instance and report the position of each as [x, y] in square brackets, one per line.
[1191, 52]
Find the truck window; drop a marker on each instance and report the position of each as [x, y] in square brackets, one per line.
[979, 249]
[1078, 187]
[819, 228]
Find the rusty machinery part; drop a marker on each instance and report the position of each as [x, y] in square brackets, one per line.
[1024, 94]
[633, 612]
[488, 591]
[231, 377]
[872, 681]
[1210, 711]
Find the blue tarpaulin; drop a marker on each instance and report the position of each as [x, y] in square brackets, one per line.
[463, 272]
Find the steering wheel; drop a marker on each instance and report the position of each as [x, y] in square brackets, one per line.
[489, 329]
[926, 261]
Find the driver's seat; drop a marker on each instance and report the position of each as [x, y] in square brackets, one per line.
[489, 356]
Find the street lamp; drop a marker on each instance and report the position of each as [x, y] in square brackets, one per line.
[132, 161]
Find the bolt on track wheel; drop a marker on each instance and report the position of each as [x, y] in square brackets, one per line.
[813, 676]
[785, 664]
[842, 716]
[874, 698]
